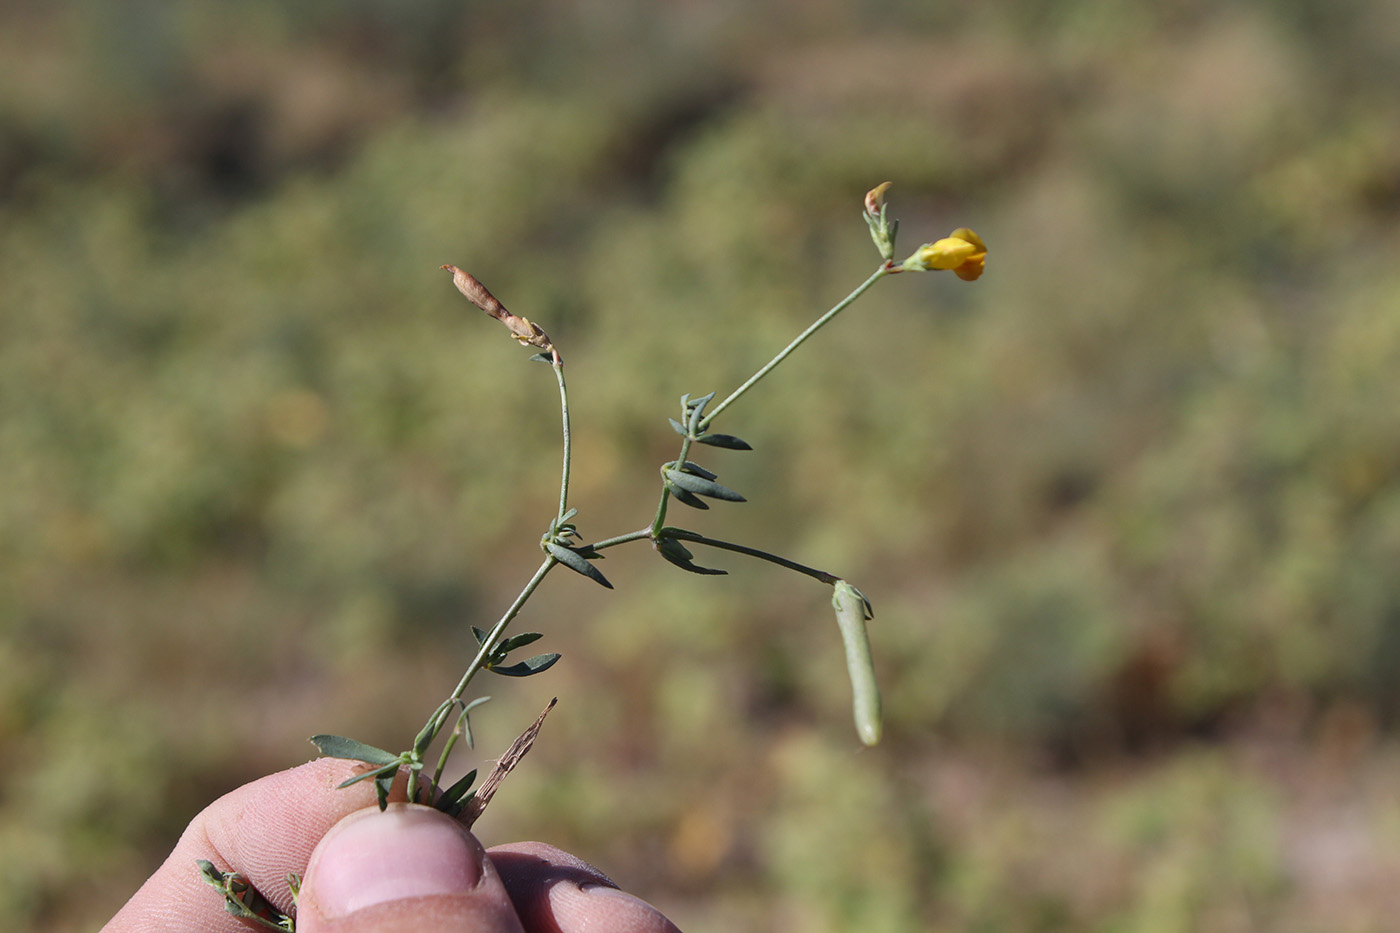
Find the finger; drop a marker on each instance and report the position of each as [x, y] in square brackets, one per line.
[410, 868]
[555, 892]
[265, 830]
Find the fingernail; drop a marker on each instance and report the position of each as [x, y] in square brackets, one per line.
[372, 858]
[625, 911]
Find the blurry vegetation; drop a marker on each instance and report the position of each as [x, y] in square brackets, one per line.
[1128, 509]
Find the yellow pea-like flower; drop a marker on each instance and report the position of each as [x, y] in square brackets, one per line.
[961, 251]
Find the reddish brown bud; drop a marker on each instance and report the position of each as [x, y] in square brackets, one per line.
[875, 198]
[521, 329]
[477, 293]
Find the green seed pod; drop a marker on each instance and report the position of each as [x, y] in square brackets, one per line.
[852, 612]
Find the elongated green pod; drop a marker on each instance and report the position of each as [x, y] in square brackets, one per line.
[852, 612]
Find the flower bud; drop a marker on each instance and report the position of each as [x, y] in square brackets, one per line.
[875, 198]
[521, 328]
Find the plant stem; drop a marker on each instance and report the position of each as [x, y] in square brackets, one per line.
[558, 367]
[681, 534]
[494, 635]
[621, 539]
[797, 342]
[660, 518]
[439, 717]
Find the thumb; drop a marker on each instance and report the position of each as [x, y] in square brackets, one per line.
[410, 868]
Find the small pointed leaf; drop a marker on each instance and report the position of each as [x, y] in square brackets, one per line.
[542, 358]
[728, 441]
[388, 770]
[680, 428]
[696, 469]
[575, 562]
[519, 641]
[338, 746]
[702, 487]
[695, 502]
[697, 403]
[682, 558]
[452, 797]
[535, 665]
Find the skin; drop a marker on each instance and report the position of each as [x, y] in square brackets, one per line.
[409, 868]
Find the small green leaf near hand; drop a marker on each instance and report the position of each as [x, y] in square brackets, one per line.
[338, 746]
[454, 798]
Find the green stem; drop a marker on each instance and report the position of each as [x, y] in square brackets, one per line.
[494, 635]
[800, 339]
[681, 534]
[660, 518]
[621, 539]
[558, 367]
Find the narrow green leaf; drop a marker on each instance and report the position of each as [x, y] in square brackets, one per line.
[575, 562]
[728, 441]
[453, 795]
[681, 556]
[695, 502]
[684, 561]
[535, 665]
[382, 785]
[697, 403]
[338, 746]
[542, 358]
[696, 469]
[479, 634]
[672, 547]
[693, 410]
[519, 641]
[703, 487]
[680, 428]
[464, 721]
[390, 770]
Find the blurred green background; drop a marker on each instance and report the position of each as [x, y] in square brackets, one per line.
[1128, 508]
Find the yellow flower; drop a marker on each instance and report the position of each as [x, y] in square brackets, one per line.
[962, 251]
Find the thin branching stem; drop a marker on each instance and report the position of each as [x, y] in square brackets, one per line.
[660, 518]
[487, 646]
[797, 342]
[621, 539]
[558, 367]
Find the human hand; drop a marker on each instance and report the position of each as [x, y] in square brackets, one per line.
[411, 868]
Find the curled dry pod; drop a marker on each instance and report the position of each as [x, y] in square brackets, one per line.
[852, 612]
